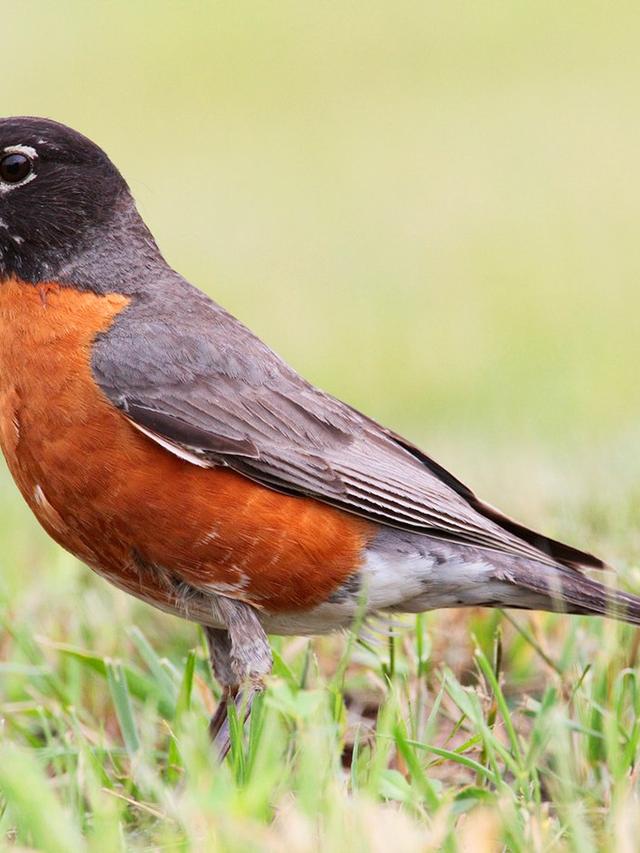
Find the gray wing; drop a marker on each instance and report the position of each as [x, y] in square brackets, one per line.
[201, 384]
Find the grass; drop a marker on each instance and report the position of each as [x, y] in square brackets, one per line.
[431, 210]
[479, 730]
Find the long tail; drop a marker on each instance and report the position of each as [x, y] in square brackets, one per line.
[567, 590]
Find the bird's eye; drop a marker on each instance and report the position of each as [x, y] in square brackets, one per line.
[15, 168]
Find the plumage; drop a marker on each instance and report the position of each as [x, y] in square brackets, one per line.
[155, 437]
[231, 401]
[154, 524]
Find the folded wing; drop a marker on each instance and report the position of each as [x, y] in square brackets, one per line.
[206, 388]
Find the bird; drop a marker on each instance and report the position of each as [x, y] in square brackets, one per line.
[162, 443]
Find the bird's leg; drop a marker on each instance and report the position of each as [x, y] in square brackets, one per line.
[219, 643]
[241, 658]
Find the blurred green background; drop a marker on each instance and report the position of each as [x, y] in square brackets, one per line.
[430, 209]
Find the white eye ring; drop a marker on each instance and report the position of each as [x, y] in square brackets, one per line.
[26, 151]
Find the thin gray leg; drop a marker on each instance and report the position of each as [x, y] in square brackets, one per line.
[219, 643]
[241, 658]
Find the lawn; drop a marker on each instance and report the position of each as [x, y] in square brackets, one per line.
[452, 731]
[432, 211]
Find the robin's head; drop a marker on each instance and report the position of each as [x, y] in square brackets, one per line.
[57, 188]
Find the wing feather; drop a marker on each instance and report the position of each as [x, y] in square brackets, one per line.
[233, 402]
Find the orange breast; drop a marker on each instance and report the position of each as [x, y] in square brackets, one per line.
[130, 509]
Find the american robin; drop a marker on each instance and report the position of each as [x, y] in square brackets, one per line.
[162, 443]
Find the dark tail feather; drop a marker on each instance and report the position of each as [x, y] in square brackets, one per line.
[569, 591]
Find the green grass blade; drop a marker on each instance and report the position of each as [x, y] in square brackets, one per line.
[505, 713]
[117, 681]
[140, 685]
[163, 680]
[39, 816]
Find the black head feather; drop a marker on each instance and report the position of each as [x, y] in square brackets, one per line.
[71, 190]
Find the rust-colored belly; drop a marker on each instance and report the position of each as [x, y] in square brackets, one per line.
[130, 509]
